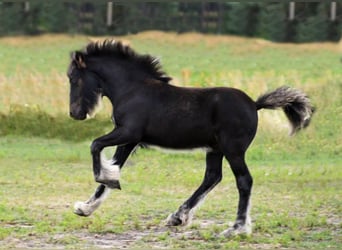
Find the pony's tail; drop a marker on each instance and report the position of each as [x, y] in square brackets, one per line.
[294, 102]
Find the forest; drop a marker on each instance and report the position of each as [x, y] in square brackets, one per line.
[276, 21]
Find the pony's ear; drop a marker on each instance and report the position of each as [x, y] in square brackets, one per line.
[78, 58]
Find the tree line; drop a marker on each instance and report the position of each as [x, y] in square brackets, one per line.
[277, 21]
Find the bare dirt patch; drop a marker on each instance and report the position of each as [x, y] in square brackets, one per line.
[153, 237]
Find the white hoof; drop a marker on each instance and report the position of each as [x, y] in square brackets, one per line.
[82, 209]
[88, 207]
[182, 218]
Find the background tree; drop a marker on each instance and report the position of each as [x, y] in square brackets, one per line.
[316, 26]
[11, 18]
[273, 21]
[268, 20]
[241, 18]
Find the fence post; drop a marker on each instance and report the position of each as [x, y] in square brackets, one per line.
[109, 14]
[292, 7]
[27, 6]
[333, 11]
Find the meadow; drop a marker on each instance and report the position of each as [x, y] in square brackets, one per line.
[45, 163]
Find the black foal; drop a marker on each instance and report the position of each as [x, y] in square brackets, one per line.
[149, 110]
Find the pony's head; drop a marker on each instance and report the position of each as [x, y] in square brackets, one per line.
[108, 62]
[85, 88]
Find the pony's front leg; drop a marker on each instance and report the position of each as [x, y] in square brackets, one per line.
[108, 172]
[88, 207]
[110, 169]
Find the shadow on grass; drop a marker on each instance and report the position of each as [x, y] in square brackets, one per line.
[30, 121]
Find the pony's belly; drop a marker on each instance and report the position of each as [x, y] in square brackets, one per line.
[180, 141]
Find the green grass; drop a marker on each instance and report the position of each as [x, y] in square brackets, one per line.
[46, 166]
[294, 205]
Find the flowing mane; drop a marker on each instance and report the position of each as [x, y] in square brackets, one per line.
[115, 49]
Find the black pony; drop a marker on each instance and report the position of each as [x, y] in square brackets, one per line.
[149, 110]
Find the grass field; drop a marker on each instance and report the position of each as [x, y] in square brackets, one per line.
[45, 161]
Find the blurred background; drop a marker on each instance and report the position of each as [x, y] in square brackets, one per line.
[45, 164]
[285, 21]
[254, 46]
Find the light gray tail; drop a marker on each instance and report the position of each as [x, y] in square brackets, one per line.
[294, 102]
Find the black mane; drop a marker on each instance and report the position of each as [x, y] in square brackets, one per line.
[112, 48]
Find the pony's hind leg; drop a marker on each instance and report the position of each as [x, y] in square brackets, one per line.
[244, 184]
[213, 176]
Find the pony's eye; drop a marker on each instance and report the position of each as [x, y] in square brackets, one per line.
[72, 81]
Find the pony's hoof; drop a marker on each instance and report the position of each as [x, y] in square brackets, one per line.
[180, 218]
[173, 220]
[82, 209]
[237, 230]
[230, 232]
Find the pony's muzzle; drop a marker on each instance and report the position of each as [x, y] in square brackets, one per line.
[78, 116]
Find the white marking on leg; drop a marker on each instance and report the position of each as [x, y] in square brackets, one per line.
[109, 171]
[200, 202]
[183, 215]
[244, 229]
[248, 224]
[186, 215]
[88, 207]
